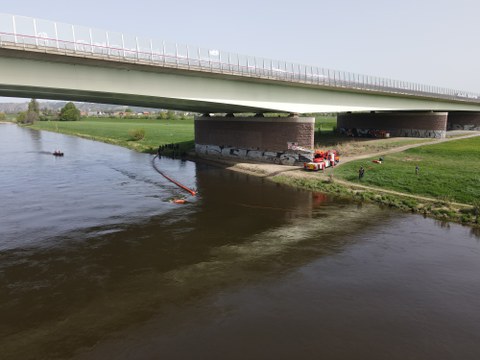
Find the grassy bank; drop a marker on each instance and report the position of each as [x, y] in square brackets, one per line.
[9, 118]
[447, 186]
[118, 131]
[447, 171]
[439, 209]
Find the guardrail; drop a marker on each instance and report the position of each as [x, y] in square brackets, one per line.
[42, 35]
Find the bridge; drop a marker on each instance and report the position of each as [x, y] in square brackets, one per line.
[49, 60]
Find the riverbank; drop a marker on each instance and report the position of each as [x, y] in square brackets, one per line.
[122, 132]
[443, 189]
[443, 210]
[336, 181]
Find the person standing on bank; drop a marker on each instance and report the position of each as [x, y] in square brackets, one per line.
[361, 172]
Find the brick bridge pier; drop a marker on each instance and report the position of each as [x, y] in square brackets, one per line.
[280, 140]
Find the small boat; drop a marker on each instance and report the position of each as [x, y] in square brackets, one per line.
[57, 153]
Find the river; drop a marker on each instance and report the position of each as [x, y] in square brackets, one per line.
[97, 263]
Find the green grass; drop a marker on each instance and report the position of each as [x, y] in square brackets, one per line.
[10, 117]
[118, 131]
[448, 171]
[325, 123]
[157, 132]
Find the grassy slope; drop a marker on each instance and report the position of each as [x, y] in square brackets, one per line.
[448, 171]
[116, 131]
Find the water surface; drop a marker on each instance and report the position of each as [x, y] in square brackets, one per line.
[96, 263]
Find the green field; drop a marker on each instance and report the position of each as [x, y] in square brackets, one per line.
[117, 131]
[325, 123]
[10, 117]
[449, 171]
[157, 132]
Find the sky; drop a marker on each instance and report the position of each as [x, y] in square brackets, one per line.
[432, 42]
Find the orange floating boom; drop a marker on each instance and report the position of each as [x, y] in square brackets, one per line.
[192, 192]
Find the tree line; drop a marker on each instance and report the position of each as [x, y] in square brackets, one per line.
[71, 113]
[68, 113]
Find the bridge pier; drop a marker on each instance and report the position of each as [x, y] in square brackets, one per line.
[399, 123]
[280, 140]
[463, 120]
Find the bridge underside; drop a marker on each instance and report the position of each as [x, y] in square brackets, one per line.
[59, 77]
[55, 76]
[154, 102]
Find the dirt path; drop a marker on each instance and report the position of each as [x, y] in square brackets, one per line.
[385, 191]
[405, 147]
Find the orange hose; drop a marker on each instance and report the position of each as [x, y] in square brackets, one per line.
[192, 192]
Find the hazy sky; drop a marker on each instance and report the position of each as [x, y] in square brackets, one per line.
[426, 41]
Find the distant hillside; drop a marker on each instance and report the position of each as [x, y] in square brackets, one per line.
[13, 108]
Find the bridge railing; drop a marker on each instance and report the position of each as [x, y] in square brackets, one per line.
[48, 36]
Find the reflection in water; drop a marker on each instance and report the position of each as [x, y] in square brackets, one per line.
[124, 275]
[92, 250]
[37, 144]
[475, 232]
[443, 224]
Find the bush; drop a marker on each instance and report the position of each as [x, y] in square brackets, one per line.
[69, 113]
[27, 117]
[171, 115]
[136, 134]
[21, 117]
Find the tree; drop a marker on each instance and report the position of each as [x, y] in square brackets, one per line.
[32, 114]
[162, 116]
[172, 115]
[31, 117]
[69, 113]
[3, 116]
[33, 106]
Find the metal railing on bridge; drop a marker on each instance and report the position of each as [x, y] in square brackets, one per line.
[35, 34]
